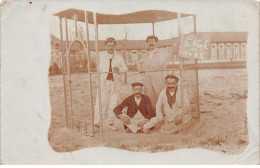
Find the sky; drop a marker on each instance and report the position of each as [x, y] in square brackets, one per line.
[212, 16]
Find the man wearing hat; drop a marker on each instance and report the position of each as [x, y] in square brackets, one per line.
[168, 106]
[139, 111]
[110, 64]
[151, 65]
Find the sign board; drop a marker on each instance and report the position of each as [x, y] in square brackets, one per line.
[195, 46]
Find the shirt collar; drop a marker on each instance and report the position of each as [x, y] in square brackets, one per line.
[109, 55]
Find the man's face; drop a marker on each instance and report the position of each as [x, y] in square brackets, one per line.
[110, 47]
[137, 91]
[151, 44]
[172, 84]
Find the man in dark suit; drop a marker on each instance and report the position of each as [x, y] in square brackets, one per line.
[139, 111]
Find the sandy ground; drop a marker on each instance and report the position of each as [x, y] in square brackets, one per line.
[222, 126]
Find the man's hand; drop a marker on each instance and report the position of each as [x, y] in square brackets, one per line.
[125, 120]
[116, 70]
[178, 120]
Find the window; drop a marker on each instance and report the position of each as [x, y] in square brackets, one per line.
[221, 51]
[213, 51]
[134, 56]
[228, 51]
[57, 46]
[236, 51]
[243, 50]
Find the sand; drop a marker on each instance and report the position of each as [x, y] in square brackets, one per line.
[222, 126]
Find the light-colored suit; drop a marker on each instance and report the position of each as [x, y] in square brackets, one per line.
[154, 82]
[163, 110]
[109, 89]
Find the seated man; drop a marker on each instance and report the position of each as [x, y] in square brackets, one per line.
[168, 106]
[139, 110]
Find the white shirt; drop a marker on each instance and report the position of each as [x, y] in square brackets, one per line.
[117, 61]
[138, 115]
[170, 113]
[110, 56]
[151, 53]
[171, 93]
[138, 101]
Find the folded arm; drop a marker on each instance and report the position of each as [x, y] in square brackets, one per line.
[118, 109]
[159, 104]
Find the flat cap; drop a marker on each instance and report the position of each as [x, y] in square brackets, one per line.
[152, 37]
[110, 39]
[170, 76]
[137, 84]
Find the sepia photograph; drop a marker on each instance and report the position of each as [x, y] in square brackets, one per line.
[186, 90]
[159, 82]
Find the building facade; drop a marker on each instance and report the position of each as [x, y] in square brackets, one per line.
[225, 47]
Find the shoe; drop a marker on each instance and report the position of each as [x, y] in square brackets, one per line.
[146, 131]
[112, 127]
[127, 130]
[140, 131]
[97, 125]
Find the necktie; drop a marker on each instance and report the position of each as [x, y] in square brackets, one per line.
[171, 99]
[110, 74]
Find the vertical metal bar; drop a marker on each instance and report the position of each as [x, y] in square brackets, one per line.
[69, 75]
[76, 26]
[125, 74]
[197, 77]
[153, 28]
[63, 73]
[181, 76]
[90, 75]
[99, 89]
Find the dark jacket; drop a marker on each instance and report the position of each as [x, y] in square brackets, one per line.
[145, 107]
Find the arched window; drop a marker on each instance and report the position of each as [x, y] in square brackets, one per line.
[134, 56]
[243, 50]
[221, 51]
[123, 53]
[129, 57]
[214, 51]
[144, 52]
[236, 51]
[57, 46]
[228, 51]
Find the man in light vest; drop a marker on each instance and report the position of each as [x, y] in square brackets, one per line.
[110, 65]
[151, 65]
[169, 107]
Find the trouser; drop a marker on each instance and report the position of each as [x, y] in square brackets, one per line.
[135, 123]
[109, 98]
[153, 85]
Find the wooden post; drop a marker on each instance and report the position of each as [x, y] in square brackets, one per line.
[90, 75]
[197, 77]
[98, 74]
[63, 74]
[69, 75]
[181, 77]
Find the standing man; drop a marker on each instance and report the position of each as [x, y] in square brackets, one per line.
[110, 64]
[155, 60]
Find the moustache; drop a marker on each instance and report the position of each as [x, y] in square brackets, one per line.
[151, 45]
